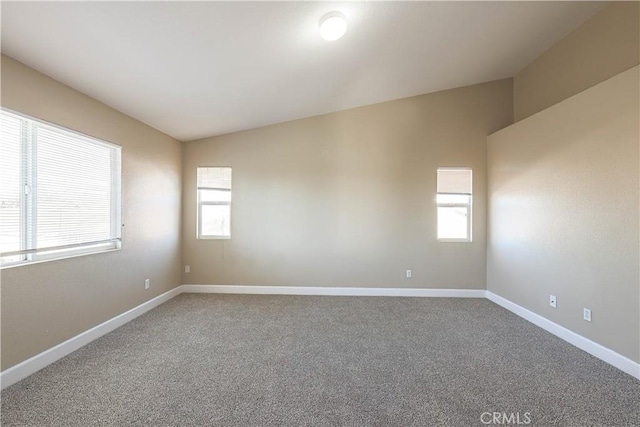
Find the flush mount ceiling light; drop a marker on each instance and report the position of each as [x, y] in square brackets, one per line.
[333, 25]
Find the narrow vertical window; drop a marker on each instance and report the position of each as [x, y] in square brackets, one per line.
[454, 199]
[214, 202]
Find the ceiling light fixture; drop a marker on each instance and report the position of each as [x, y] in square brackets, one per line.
[333, 25]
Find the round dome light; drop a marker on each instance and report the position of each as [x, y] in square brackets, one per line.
[333, 25]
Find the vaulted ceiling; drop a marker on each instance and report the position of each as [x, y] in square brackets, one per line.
[197, 69]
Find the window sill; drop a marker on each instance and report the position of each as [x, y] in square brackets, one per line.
[214, 238]
[41, 261]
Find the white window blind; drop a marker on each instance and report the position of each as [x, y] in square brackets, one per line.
[454, 188]
[214, 178]
[60, 192]
[11, 188]
[454, 181]
[214, 202]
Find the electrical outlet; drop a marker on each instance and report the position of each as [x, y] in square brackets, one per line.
[552, 301]
[147, 283]
[408, 274]
[187, 268]
[586, 314]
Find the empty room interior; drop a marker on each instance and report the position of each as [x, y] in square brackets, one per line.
[320, 213]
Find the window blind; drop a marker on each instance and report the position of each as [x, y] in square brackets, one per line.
[60, 191]
[454, 181]
[214, 178]
[73, 190]
[10, 184]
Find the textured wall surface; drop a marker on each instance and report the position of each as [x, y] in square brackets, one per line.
[564, 212]
[45, 304]
[348, 199]
[605, 45]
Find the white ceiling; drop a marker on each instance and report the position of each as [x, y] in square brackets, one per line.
[196, 69]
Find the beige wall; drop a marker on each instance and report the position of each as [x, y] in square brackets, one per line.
[348, 198]
[604, 46]
[564, 211]
[45, 304]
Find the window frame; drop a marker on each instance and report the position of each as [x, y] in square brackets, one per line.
[467, 206]
[200, 204]
[28, 200]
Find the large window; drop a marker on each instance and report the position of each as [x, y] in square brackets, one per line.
[214, 203]
[59, 192]
[454, 204]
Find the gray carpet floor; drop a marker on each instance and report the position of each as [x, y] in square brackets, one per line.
[231, 360]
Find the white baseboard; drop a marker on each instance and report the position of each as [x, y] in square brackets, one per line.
[47, 357]
[603, 353]
[336, 291]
